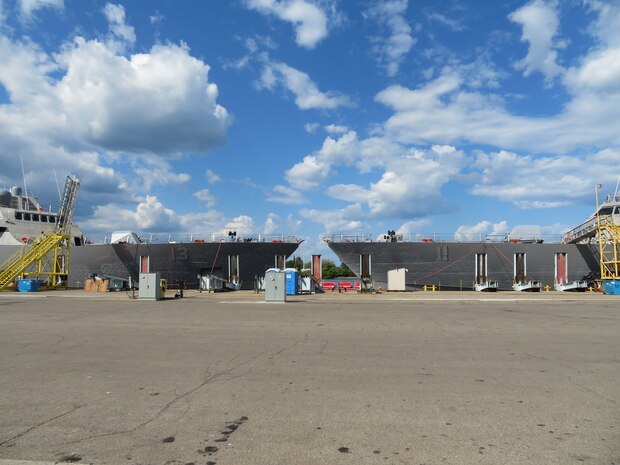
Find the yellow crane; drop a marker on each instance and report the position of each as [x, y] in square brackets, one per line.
[46, 258]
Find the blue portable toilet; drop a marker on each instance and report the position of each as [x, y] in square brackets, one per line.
[292, 281]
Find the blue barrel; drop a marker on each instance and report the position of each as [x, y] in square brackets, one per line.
[292, 281]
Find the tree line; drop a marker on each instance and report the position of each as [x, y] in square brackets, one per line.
[329, 268]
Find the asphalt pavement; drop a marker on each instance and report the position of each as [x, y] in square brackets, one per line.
[227, 379]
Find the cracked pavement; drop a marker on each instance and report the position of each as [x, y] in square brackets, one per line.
[227, 379]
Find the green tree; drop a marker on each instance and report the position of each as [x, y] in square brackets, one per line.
[296, 262]
[330, 270]
[345, 271]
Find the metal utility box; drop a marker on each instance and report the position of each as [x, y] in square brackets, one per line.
[396, 279]
[275, 286]
[150, 286]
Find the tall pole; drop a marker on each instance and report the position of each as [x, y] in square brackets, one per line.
[25, 186]
[598, 216]
[600, 233]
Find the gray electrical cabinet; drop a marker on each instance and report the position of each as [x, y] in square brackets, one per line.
[275, 286]
[150, 286]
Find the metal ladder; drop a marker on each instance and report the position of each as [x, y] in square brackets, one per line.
[67, 204]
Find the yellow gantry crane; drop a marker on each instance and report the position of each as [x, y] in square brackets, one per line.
[46, 258]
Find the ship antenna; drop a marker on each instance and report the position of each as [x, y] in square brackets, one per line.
[57, 186]
[616, 191]
[24, 175]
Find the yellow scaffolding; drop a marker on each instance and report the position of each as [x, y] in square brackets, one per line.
[46, 258]
[609, 241]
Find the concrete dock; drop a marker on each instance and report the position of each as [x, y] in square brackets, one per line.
[226, 379]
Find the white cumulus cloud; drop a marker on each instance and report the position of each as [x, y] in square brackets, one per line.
[414, 226]
[392, 49]
[157, 102]
[311, 127]
[479, 231]
[150, 215]
[444, 111]
[28, 7]
[115, 14]
[543, 182]
[337, 220]
[271, 224]
[307, 94]
[409, 185]
[336, 129]
[204, 195]
[309, 20]
[539, 20]
[314, 169]
[242, 224]
[157, 173]
[286, 195]
[349, 192]
[112, 118]
[212, 177]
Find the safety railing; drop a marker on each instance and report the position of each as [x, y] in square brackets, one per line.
[183, 238]
[442, 237]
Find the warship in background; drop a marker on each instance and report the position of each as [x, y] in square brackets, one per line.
[524, 259]
[234, 261]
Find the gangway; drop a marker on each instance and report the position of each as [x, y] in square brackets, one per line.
[585, 230]
[46, 258]
[608, 212]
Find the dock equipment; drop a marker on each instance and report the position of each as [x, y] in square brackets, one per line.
[486, 286]
[46, 258]
[531, 286]
[579, 285]
[609, 241]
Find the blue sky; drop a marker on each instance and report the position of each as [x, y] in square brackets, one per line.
[312, 117]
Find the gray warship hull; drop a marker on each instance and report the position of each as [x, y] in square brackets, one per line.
[452, 265]
[175, 262]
